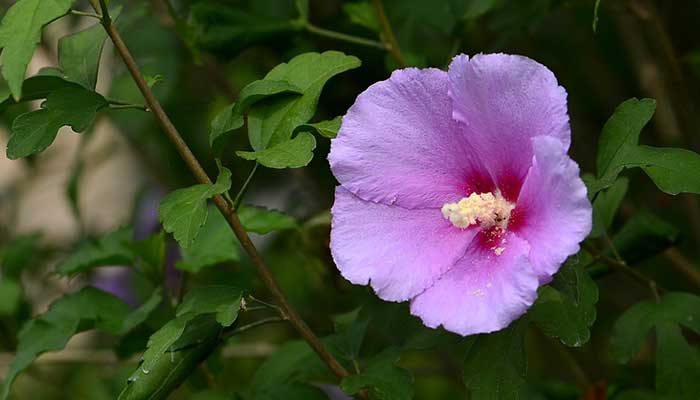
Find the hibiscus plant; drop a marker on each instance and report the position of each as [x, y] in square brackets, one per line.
[425, 201]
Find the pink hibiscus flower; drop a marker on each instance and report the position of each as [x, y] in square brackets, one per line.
[456, 191]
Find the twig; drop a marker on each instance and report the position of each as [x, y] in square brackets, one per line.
[621, 266]
[85, 14]
[345, 37]
[239, 197]
[388, 34]
[221, 203]
[252, 325]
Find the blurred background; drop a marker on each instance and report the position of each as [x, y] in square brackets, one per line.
[204, 52]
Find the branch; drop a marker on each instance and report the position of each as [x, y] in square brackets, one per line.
[388, 34]
[223, 206]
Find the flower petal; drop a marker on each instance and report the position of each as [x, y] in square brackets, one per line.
[553, 211]
[483, 292]
[504, 101]
[399, 251]
[398, 144]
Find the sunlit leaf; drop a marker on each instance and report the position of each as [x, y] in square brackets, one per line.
[272, 123]
[293, 153]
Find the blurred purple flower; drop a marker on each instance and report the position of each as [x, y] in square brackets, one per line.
[456, 190]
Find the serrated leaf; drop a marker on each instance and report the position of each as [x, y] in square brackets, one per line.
[328, 129]
[362, 13]
[162, 340]
[272, 123]
[79, 54]
[215, 244]
[566, 308]
[621, 131]
[495, 365]
[224, 301]
[34, 131]
[20, 31]
[113, 249]
[293, 153]
[678, 364]
[183, 212]
[87, 309]
[382, 378]
[263, 221]
[605, 206]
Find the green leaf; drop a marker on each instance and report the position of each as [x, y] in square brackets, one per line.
[113, 249]
[10, 296]
[596, 7]
[263, 221]
[605, 206]
[37, 87]
[382, 378]
[632, 329]
[230, 30]
[362, 13]
[20, 31]
[224, 123]
[150, 253]
[34, 131]
[495, 365]
[302, 8]
[273, 122]
[350, 331]
[472, 9]
[644, 235]
[261, 89]
[678, 364]
[231, 118]
[293, 153]
[672, 170]
[19, 254]
[169, 372]
[79, 55]
[87, 309]
[224, 301]
[566, 308]
[215, 244]
[184, 211]
[328, 129]
[620, 132]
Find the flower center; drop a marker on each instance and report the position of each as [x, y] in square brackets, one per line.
[487, 209]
